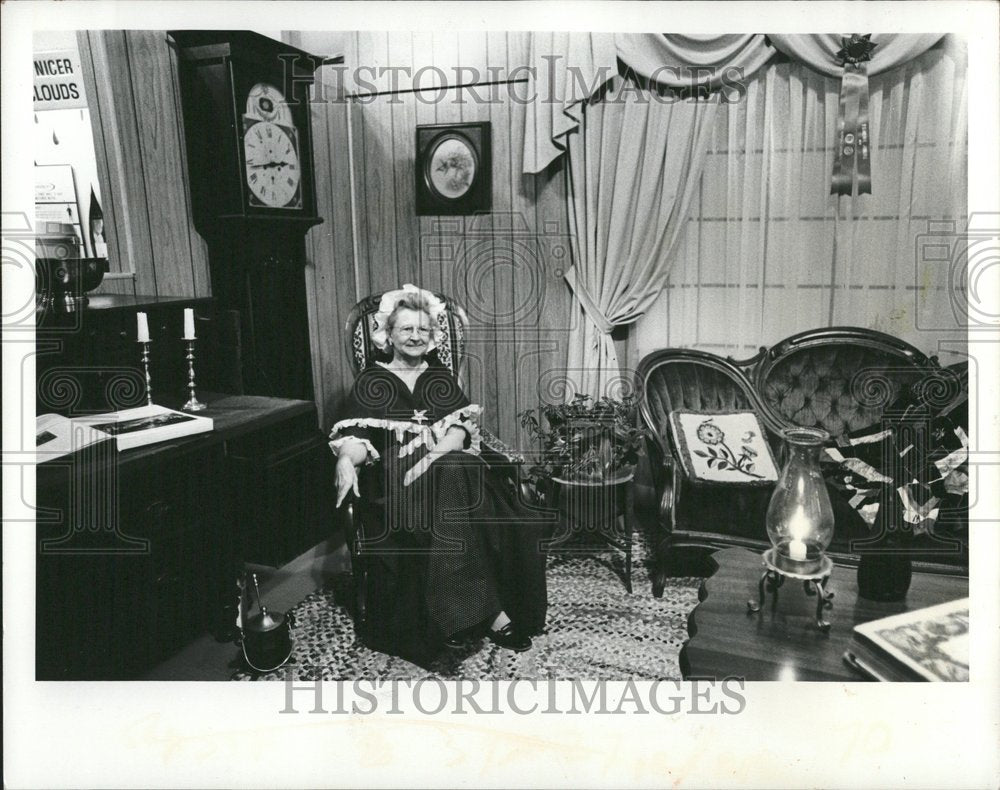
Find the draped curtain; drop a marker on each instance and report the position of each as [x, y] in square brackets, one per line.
[568, 68]
[628, 200]
[768, 252]
[633, 169]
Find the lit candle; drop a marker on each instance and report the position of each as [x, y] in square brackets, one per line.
[797, 550]
[188, 323]
[141, 328]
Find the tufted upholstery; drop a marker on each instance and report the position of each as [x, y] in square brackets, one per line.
[840, 379]
[683, 379]
[838, 388]
[688, 385]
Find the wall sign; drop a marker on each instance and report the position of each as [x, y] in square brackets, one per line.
[58, 80]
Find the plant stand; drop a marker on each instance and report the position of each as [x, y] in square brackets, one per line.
[602, 509]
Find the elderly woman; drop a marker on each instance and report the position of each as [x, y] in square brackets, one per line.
[456, 556]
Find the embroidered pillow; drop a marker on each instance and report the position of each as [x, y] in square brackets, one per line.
[728, 447]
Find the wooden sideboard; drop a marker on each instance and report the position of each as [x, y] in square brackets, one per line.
[137, 551]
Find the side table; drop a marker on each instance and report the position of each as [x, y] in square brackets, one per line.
[602, 509]
[781, 641]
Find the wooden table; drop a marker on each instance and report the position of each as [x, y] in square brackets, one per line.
[782, 642]
[593, 510]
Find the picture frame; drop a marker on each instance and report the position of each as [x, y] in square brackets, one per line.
[454, 169]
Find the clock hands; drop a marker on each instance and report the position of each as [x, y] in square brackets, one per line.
[270, 165]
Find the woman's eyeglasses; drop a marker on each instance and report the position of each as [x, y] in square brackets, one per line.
[422, 331]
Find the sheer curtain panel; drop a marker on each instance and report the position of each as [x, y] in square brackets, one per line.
[768, 251]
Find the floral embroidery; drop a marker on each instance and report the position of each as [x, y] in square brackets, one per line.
[710, 433]
[720, 455]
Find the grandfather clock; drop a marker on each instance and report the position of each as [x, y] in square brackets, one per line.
[245, 100]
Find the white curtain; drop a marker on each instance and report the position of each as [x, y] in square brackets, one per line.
[634, 163]
[568, 68]
[768, 251]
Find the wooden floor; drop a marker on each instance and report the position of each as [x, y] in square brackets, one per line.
[281, 589]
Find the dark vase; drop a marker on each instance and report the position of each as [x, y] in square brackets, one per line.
[886, 570]
[884, 576]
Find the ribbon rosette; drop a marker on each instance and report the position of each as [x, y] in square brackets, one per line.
[435, 307]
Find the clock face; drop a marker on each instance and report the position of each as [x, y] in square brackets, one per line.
[266, 103]
[273, 172]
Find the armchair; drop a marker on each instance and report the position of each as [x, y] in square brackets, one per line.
[362, 516]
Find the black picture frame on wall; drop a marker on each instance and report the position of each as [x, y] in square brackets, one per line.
[454, 168]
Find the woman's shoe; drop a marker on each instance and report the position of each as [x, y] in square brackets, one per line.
[508, 638]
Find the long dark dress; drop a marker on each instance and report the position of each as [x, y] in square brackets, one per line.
[454, 548]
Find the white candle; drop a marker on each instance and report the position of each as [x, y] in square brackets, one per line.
[141, 328]
[188, 323]
[797, 550]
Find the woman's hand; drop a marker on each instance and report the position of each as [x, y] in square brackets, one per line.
[454, 439]
[347, 479]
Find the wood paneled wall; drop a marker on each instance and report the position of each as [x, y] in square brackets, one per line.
[504, 267]
[131, 79]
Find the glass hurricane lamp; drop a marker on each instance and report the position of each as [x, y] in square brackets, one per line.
[799, 523]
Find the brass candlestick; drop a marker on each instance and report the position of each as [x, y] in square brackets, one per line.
[145, 367]
[193, 404]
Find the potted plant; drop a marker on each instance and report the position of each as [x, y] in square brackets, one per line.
[584, 441]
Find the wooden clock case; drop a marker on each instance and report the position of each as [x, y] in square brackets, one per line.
[256, 253]
[218, 69]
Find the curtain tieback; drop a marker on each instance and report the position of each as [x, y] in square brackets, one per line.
[587, 302]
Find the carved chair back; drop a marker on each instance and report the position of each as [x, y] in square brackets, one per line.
[840, 379]
[679, 378]
[360, 325]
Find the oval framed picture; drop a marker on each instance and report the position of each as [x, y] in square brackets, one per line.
[453, 168]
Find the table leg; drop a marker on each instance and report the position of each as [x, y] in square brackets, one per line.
[629, 504]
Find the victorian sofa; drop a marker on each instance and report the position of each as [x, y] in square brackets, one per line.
[840, 379]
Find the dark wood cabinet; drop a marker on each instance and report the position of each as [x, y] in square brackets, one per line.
[89, 362]
[138, 551]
